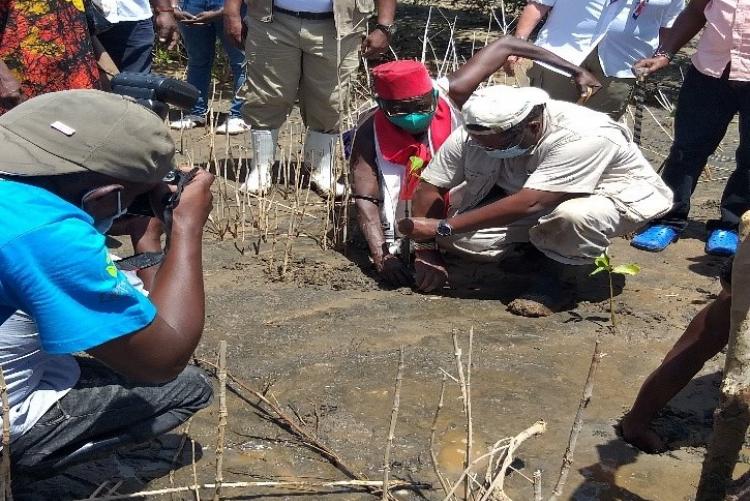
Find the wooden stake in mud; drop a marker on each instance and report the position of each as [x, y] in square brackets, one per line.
[7, 494]
[588, 390]
[433, 431]
[222, 418]
[392, 428]
[732, 417]
[467, 408]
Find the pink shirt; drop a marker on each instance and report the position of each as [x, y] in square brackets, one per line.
[725, 40]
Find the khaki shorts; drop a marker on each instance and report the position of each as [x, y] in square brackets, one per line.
[612, 98]
[290, 58]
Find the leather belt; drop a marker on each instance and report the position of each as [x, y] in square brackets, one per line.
[313, 16]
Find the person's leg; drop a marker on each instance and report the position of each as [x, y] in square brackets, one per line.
[199, 43]
[704, 109]
[104, 405]
[274, 66]
[236, 59]
[130, 45]
[736, 198]
[327, 68]
[706, 335]
[558, 86]
[613, 96]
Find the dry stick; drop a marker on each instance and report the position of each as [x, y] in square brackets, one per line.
[278, 484]
[426, 30]
[467, 471]
[179, 451]
[7, 494]
[538, 485]
[469, 420]
[499, 481]
[588, 390]
[194, 487]
[292, 426]
[221, 427]
[394, 418]
[433, 431]
[464, 396]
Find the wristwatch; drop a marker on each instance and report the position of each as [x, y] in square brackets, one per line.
[444, 229]
[388, 29]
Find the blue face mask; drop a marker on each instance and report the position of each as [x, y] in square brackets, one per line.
[413, 122]
[512, 152]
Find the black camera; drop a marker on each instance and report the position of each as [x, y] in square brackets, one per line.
[155, 92]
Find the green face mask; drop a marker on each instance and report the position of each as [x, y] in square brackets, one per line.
[413, 122]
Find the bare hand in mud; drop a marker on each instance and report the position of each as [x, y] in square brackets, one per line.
[393, 270]
[430, 271]
[418, 228]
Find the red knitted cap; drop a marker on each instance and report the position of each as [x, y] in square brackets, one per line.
[401, 80]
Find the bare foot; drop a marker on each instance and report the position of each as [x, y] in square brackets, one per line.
[640, 436]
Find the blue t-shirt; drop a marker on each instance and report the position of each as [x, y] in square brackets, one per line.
[55, 267]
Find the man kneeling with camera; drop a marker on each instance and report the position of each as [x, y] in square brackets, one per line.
[72, 162]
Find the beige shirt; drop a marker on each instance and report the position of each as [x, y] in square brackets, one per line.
[581, 151]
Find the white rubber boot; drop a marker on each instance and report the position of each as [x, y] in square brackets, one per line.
[263, 143]
[320, 151]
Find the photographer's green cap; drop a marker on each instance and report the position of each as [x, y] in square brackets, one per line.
[85, 130]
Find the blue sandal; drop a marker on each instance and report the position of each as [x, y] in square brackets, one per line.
[722, 242]
[655, 238]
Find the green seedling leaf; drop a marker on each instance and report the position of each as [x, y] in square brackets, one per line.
[598, 270]
[627, 269]
[602, 261]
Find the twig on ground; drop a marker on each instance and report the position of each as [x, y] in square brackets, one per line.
[392, 427]
[588, 390]
[433, 431]
[178, 453]
[7, 493]
[338, 485]
[538, 485]
[222, 424]
[194, 487]
[465, 398]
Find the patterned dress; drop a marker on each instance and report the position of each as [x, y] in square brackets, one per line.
[46, 45]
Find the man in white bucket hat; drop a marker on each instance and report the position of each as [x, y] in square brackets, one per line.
[552, 174]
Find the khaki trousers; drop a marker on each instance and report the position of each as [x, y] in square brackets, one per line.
[612, 98]
[575, 232]
[290, 58]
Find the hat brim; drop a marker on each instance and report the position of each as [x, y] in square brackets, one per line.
[23, 158]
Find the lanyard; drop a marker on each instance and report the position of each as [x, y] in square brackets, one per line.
[638, 8]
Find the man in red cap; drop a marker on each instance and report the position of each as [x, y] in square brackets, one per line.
[414, 116]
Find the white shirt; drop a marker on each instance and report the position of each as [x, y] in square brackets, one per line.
[317, 6]
[624, 30]
[116, 11]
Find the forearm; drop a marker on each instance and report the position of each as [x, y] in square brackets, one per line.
[162, 5]
[232, 8]
[147, 244]
[530, 17]
[500, 213]
[688, 24]
[368, 216]
[490, 59]
[428, 201]
[178, 288]
[386, 11]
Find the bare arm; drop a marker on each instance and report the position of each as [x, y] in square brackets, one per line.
[160, 351]
[686, 26]
[529, 18]
[507, 210]
[491, 58]
[377, 41]
[234, 28]
[10, 93]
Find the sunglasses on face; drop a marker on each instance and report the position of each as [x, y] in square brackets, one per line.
[510, 138]
[425, 103]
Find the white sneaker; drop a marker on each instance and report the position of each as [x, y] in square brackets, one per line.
[187, 123]
[232, 126]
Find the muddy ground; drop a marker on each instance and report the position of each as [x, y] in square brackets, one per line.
[327, 337]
